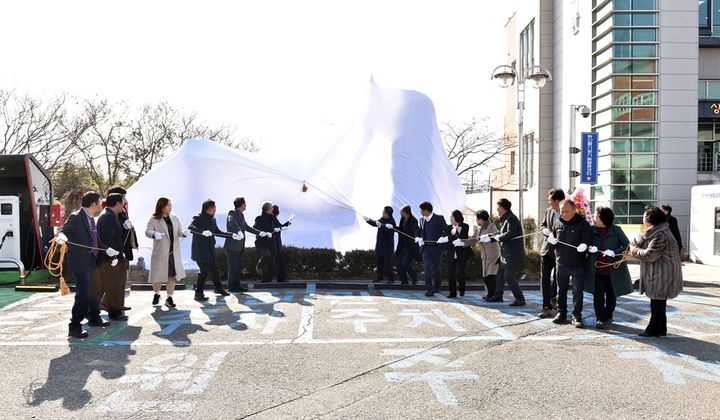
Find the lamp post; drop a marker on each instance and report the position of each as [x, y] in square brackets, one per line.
[537, 76]
[585, 112]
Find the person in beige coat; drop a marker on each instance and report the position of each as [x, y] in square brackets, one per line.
[660, 268]
[166, 261]
[490, 251]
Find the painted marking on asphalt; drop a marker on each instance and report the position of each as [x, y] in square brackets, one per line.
[670, 364]
[305, 329]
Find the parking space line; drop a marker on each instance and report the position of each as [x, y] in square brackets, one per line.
[502, 332]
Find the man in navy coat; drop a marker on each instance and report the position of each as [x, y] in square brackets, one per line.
[432, 234]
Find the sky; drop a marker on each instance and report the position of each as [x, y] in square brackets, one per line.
[286, 72]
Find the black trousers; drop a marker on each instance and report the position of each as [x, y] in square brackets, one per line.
[548, 278]
[405, 267]
[280, 271]
[85, 305]
[456, 275]
[604, 299]
[658, 317]
[267, 265]
[235, 263]
[509, 273]
[490, 283]
[207, 269]
[578, 280]
[384, 267]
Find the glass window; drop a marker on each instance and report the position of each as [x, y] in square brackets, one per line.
[621, 146]
[638, 208]
[644, 51]
[642, 130]
[637, 220]
[717, 131]
[620, 161]
[643, 4]
[622, 5]
[644, 66]
[622, 19]
[621, 130]
[622, 50]
[621, 82]
[620, 177]
[622, 66]
[642, 177]
[704, 15]
[643, 114]
[643, 82]
[702, 90]
[599, 193]
[642, 192]
[705, 131]
[643, 145]
[713, 88]
[621, 114]
[643, 35]
[619, 193]
[643, 161]
[643, 19]
[620, 207]
[621, 35]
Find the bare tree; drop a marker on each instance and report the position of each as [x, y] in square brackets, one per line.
[472, 145]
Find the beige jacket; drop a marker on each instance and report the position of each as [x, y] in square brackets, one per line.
[490, 252]
[161, 249]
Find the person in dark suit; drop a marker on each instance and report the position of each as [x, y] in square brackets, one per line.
[234, 249]
[384, 244]
[280, 270]
[108, 281]
[80, 234]
[264, 242]
[673, 225]
[204, 228]
[130, 240]
[458, 253]
[571, 260]
[548, 274]
[431, 235]
[512, 253]
[407, 250]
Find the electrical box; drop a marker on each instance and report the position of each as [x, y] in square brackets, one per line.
[9, 229]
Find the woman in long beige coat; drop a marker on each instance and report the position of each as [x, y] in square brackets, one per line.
[166, 262]
[490, 252]
[660, 268]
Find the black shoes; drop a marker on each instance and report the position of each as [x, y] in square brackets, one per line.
[200, 297]
[121, 317]
[169, 302]
[600, 325]
[126, 308]
[649, 334]
[578, 322]
[404, 282]
[221, 292]
[98, 323]
[452, 296]
[518, 302]
[429, 293]
[560, 319]
[76, 332]
[493, 299]
[462, 293]
[156, 299]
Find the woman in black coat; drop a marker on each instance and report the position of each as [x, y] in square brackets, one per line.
[385, 244]
[458, 254]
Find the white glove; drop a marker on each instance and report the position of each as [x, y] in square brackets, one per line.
[639, 237]
[365, 218]
[111, 252]
[113, 263]
[268, 234]
[389, 226]
[158, 235]
[609, 253]
[582, 248]
[127, 225]
[276, 230]
[484, 238]
[285, 227]
[186, 232]
[546, 232]
[418, 240]
[592, 249]
[61, 238]
[240, 235]
[442, 240]
[422, 242]
[206, 233]
[236, 237]
[458, 242]
[378, 224]
[552, 240]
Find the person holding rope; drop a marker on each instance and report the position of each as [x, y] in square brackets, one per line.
[166, 259]
[108, 280]
[278, 228]
[548, 271]
[573, 233]
[407, 250]
[234, 249]
[84, 247]
[431, 234]
[384, 244]
[130, 241]
[458, 254]
[512, 253]
[264, 242]
[489, 251]
[204, 228]
[609, 276]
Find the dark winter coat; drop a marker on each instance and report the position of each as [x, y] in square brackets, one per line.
[574, 232]
[203, 249]
[405, 243]
[660, 267]
[265, 223]
[385, 240]
[617, 241]
[511, 249]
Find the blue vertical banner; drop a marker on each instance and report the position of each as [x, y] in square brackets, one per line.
[589, 153]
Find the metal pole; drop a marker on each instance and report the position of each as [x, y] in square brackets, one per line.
[571, 185]
[521, 148]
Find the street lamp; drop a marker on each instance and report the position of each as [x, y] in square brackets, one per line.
[506, 76]
[585, 112]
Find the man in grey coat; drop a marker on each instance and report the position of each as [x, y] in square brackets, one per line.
[235, 248]
[512, 251]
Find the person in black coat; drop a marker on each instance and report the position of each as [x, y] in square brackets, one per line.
[512, 253]
[80, 229]
[264, 242]
[407, 250]
[204, 228]
[278, 227]
[431, 235]
[234, 249]
[458, 253]
[548, 273]
[673, 225]
[108, 281]
[130, 240]
[384, 244]
[571, 257]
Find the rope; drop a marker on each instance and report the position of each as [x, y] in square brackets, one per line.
[55, 269]
[625, 255]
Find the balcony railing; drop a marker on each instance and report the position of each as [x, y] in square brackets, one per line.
[709, 163]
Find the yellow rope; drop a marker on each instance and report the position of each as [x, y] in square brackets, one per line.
[615, 265]
[56, 268]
